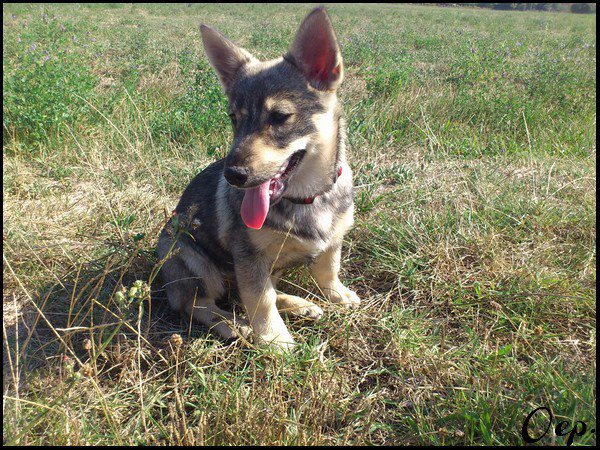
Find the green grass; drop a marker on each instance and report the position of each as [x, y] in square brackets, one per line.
[473, 141]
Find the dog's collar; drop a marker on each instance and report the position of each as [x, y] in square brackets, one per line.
[310, 200]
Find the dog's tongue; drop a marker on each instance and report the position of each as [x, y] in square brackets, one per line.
[255, 205]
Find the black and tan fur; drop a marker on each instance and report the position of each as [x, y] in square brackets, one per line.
[278, 108]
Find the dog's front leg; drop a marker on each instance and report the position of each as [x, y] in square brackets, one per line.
[325, 270]
[259, 299]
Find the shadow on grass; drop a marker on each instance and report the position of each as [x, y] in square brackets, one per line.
[91, 312]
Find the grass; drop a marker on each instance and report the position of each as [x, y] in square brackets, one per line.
[472, 139]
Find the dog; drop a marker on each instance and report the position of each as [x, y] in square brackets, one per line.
[282, 196]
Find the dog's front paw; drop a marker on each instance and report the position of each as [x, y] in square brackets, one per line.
[283, 342]
[273, 333]
[342, 295]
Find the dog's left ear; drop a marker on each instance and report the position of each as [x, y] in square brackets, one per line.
[316, 53]
[226, 57]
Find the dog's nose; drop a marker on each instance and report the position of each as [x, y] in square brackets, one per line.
[236, 175]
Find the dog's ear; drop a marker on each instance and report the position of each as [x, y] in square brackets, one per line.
[316, 53]
[226, 57]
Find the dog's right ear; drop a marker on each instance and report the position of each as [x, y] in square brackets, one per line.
[226, 57]
[315, 51]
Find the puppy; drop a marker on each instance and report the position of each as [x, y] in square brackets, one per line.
[282, 196]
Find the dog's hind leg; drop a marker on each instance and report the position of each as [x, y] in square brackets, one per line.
[222, 322]
[193, 284]
[293, 305]
[189, 296]
[297, 306]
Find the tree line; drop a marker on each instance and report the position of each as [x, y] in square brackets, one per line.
[578, 8]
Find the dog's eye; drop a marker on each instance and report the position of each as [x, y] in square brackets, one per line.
[233, 119]
[278, 118]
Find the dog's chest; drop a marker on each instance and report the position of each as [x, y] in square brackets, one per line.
[287, 250]
[295, 245]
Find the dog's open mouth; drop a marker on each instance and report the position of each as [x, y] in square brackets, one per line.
[278, 183]
[258, 199]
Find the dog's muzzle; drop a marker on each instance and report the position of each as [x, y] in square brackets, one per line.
[236, 175]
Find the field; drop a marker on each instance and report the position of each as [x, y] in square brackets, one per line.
[472, 137]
